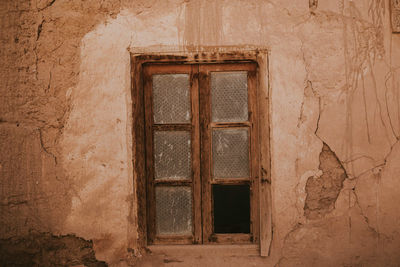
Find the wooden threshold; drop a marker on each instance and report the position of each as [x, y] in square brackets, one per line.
[207, 250]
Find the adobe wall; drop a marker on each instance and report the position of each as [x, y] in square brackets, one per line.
[334, 86]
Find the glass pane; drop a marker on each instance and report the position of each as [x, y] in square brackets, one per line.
[173, 210]
[230, 148]
[172, 157]
[229, 96]
[231, 208]
[171, 98]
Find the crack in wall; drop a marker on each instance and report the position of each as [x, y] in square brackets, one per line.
[396, 89]
[362, 213]
[44, 148]
[363, 44]
[49, 4]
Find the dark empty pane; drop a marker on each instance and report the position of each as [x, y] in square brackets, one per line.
[171, 98]
[231, 208]
[229, 96]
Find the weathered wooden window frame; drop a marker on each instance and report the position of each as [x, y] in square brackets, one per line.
[262, 230]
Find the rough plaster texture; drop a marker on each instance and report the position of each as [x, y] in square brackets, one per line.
[65, 120]
[38, 249]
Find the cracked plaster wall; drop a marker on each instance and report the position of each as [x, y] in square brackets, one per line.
[65, 117]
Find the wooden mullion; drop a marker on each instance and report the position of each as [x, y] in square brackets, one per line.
[254, 155]
[205, 114]
[168, 69]
[232, 238]
[196, 178]
[172, 127]
[174, 239]
[230, 67]
[230, 181]
[171, 182]
[230, 124]
[148, 102]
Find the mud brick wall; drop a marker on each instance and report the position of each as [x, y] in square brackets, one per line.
[66, 170]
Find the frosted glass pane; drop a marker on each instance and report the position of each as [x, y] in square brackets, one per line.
[230, 153]
[171, 98]
[229, 96]
[172, 155]
[173, 210]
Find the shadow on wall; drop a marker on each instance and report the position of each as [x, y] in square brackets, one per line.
[45, 249]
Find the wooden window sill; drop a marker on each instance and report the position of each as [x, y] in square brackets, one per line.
[207, 250]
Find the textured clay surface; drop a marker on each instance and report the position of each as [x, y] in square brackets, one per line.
[66, 158]
[44, 249]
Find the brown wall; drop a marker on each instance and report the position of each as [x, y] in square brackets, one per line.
[334, 97]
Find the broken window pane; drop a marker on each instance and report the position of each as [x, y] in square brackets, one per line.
[171, 98]
[172, 155]
[231, 208]
[229, 96]
[230, 152]
[173, 210]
